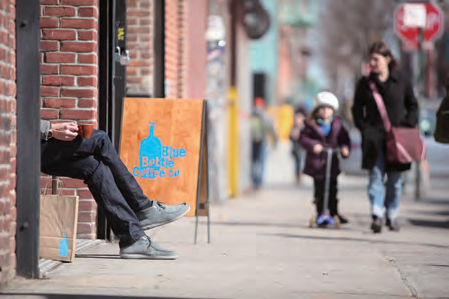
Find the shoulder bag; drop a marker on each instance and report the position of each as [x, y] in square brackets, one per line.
[404, 145]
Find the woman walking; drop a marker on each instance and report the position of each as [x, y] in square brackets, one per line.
[402, 109]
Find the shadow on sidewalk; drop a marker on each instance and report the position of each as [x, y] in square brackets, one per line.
[82, 296]
[355, 240]
[429, 223]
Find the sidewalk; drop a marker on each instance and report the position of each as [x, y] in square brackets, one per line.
[261, 247]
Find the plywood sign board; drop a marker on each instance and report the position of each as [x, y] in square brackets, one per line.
[162, 143]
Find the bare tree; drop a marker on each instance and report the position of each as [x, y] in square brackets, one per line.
[347, 28]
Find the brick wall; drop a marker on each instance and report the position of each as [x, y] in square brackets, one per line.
[175, 46]
[8, 139]
[139, 73]
[140, 44]
[69, 69]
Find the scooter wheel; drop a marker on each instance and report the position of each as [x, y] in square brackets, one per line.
[312, 221]
[337, 222]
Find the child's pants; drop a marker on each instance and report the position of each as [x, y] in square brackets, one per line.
[319, 185]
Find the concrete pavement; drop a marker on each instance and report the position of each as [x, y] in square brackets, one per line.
[261, 247]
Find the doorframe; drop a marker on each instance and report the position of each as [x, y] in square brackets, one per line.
[112, 81]
[28, 137]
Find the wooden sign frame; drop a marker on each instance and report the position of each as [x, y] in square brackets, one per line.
[170, 164]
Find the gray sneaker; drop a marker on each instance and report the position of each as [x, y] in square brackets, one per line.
[144, 248]
[160, 214]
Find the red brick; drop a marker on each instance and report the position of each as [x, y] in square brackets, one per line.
[87, 81]
[85, 228]
[72, 183]
[68, 192]
[58, 80]
[88, 58]
[78, 70]
[88, 12]
[87, 35]
[58, 34]
[80, 2]
[86, 217]
[46, 45]
[60, 57]
[47, 22]
[47, 69]
[60, 11]
[78, 23]
[49, 2]
[49, 113]
[87, 205]
[78, 114]
[87, 103]
[49, 91]
[80, 93]
[79, 46]
[60, 103]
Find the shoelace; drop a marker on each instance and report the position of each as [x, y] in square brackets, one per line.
[161, 204]
[149, 242]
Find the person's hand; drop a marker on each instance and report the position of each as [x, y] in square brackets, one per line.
[317, 148]
[66, 131]
[344, 151]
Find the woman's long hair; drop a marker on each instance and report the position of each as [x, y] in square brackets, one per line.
[382, 49]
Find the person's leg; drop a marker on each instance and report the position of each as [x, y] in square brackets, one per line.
[59, 158]
[376, 192]
[101, 147]
[392, 197]
[150, 215]
[332, 204]
[318, 185]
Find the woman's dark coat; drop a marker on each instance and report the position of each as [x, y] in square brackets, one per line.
[311, 135]
[402, 109]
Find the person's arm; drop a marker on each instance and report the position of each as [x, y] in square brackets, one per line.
[306, 141]
[65, 131]
[344, 142]
[411, 107]
[358, 113]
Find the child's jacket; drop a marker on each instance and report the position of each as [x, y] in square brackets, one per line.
[311, 135]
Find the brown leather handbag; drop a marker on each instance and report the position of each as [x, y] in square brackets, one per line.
[404, 145]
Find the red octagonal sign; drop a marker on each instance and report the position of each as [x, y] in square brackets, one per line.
[410, 35]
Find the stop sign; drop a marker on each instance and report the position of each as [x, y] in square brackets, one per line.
[410, 35]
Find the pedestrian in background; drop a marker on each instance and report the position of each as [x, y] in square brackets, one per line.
[324, 130]
[262, 127]
[297, 150]
[402, 110]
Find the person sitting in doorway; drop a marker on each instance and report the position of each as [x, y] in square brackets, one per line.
[118, 195]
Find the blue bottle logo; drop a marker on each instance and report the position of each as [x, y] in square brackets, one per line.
[150, 152]
[63, 247]
[156, 160]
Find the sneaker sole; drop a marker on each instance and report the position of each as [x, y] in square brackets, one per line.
[150, 226]
[147, 257]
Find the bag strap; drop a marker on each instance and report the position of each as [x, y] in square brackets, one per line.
[380, 105]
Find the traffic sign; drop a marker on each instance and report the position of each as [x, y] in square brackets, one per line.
[410, 34]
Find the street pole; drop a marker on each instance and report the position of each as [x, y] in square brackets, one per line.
[421, 89]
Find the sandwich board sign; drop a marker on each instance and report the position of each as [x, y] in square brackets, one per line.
[164, 146]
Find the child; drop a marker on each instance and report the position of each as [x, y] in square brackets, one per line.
[324, 130]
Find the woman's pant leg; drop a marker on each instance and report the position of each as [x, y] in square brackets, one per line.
[61, 159]
[100, 146]
[376, 186]
[393, 193]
